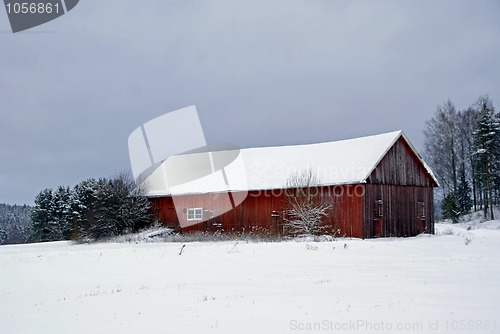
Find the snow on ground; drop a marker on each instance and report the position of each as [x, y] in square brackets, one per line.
[447, 283]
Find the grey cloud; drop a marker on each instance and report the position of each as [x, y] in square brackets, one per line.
[260, 72]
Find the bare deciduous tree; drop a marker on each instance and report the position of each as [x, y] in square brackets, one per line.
[441, 144]
[308, 205]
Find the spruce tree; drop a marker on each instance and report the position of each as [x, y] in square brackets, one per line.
[486, 143]
[84, 204]
[42, 216]
[450, 207]
[464, 201]
[62, 214]
[3, 235]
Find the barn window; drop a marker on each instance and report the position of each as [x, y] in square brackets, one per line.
[194, 213]
[378, 209]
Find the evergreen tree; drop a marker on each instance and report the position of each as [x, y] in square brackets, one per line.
[83, 205]
[136, 210]
[107, 218]
[464, 200]
[122, 208]
[450, 207]
[92, 210]
[486, 144]
[42, 216]
[108, 207]
[467, 124]
[16, 235]
[3, 236]
[15, 222]
[61, 214]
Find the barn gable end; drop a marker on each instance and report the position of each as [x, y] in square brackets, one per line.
[401, 166]
[399, 196]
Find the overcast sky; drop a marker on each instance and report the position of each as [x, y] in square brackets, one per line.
[261, 73]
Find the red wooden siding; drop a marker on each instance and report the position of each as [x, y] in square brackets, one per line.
[400, 166]
[261, 211]
[163, 210]
[347, 210]
[400, 211]
[402, 189]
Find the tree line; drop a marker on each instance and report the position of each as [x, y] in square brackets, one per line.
[463, 149]
[15, 224]
[93, 210]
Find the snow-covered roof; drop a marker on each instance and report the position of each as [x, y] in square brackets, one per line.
[333, 163]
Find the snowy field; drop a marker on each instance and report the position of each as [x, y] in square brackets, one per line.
[447, 283]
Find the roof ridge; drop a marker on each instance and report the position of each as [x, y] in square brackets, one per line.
[324, 142]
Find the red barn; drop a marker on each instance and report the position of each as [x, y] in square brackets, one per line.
[378, 186]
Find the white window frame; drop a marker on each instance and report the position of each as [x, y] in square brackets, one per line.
[194, 213]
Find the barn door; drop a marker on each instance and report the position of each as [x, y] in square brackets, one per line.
[170, 217]
[378, 221]
[421, 226]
